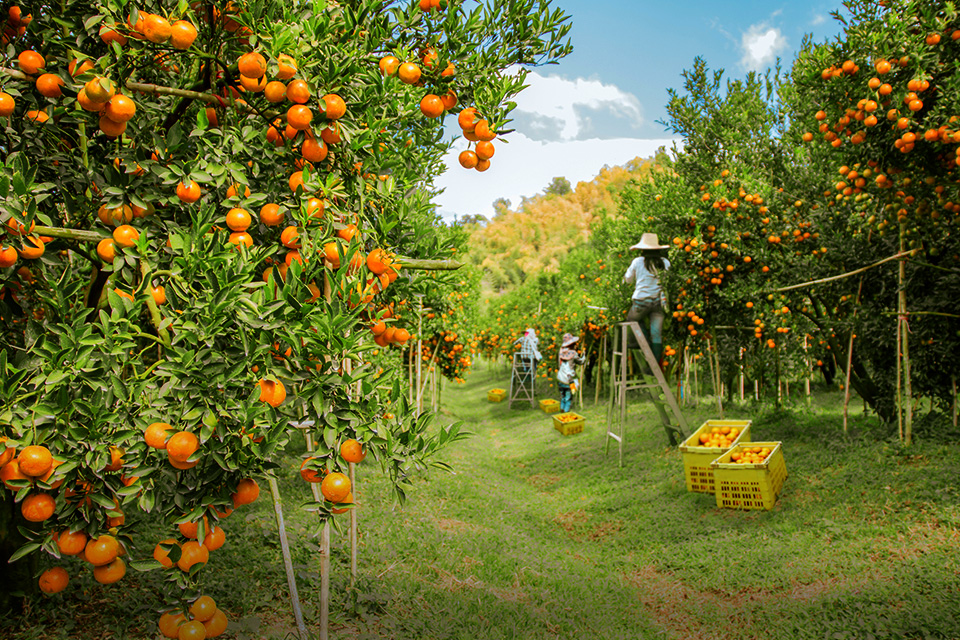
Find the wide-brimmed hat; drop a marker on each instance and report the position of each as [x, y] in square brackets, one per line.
[649, 241]
[567, 354]
[569, 339]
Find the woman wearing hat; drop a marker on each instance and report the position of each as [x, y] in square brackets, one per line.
[648, 299]
[567, 373]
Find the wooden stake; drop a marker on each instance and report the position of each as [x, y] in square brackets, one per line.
[905, 340]
[598, 376]
[287, 560]
[353, 527]
[953, 382]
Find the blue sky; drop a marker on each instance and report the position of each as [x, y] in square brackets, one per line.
[601, 104]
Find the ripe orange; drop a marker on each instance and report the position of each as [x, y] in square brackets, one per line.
[7, 104]
[125, 236]
[157, 434]
[8, 258]
[38, 507]
[109, 34]
[49, 85]
[409, 73]
[275, 91]
[31, 61]
[485, 150]
[449, 100]
[162, 554]
[116, 459]
[101, 551]
[216, 625]
[11, 473]
[290, 238]
[192, 630]
[286, 67]
[335, 487]
[214, 539]
[112, 128]
[253, 85]
[203, 608]
[110, 573]
[347, 500]
[170, 623]
[252, 65]
[298, 91]
[270, 215]
[335, 108]
[467, 119]
[313, 149]
[272, 391]
[389, 65]
[157, 29]
[188, 191]
[35, 460]
[191, 553]
[159, 294]
[431, 106]
[483, 165]
[70, 543]
[54, 580]
[352, 451]
[331, 134]
[483, 131]
[308, 474]
[182, 34]
[299, 117]
[238, 219]
[296, 181]
[36, 116]
[378, 261]
[247, 491]
[182, 445]
[100, 89]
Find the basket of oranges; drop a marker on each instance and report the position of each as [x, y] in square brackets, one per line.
[711, 440]
[496, 395]
[750, 475]
[568, 423]
[550, 405]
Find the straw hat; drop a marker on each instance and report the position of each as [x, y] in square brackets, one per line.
[649, 241]
[569, 339]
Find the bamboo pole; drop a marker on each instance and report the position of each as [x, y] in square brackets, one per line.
[905, 339]
[899, 383]
[806, 382]
[900, 256]
[354, 533]
[600, 360]
[953, 382]
[287, 560]
[715, 375]
[853, 326]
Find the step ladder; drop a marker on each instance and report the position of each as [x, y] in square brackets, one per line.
[650, 378]
[522, 380]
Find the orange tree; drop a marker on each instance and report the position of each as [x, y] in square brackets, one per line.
[880, 109]
[203, 207]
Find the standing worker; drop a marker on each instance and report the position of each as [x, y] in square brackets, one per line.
[648, 299]
[529, 353]
[567, 373]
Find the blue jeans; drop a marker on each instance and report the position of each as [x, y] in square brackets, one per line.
[566, 398]
[649, 307]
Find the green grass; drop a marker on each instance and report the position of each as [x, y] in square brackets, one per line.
[537, 535]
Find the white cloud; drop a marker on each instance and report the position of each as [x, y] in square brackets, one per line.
[818, 19]
[525, 167]
[761, 44]
[562, 102]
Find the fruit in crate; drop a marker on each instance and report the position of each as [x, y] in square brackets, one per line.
[568, 417]
[750, 455]
[721, 437]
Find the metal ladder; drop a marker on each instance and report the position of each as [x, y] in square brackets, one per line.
[522, 380]
[650, 379]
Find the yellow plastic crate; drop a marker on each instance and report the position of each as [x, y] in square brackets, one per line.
[550, 405]
[750, 486]
[697, 458]
[563, 423]
[496, 395]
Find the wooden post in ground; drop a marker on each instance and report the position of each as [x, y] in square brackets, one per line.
[806, 382]
[324, 558]
[953, 382]
[353, 527]
[715, 375]
[287, 561]
[598, 376]
[905, 339]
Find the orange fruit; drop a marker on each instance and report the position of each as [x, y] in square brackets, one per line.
[159, 294]
[188, 191]
[36, 116]
[378, 261]
[431, 106]
[214, 539]
[120, 108]
[247, 491]
[70, 543]
[189, 529]
[192, 553]
[389, 65]
[101, 551]
[467, 119]
[110, 573]
[238, 219]
[203, 608]
[109, 34]
[252, 65]
[35, 460]
[308, 474]
[156, 29]
[241, 238]
[157, 434]
[313, 149]
[299, 117]
[409, 73]
[216, 625]
[54, 580]
[270, 215]
[298, 91]
[449, 100]
[331, 134]
[7, 104]
[11, 473]
[468, 159]
[272, 392]
[112, 128]
[335, 487]
[347, 500]
[275, 91]
[290, 238]
[182, 445]
[234, 189]
[483, 165]
[162, 555]
[170, 624]
[49, 85]
[182, 34]
[125, 236]
[296, 181]
[253, 85]
[336, 108]
[286, 67]
[352, 451]
[38, 507]
[31, 61]
[100, 89]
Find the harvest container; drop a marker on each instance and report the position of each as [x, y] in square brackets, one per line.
[496, 395]
[750, 485]
[550, 405]
[568, 423]
[697, 457]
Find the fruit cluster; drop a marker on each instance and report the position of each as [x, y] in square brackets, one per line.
[719, 437]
